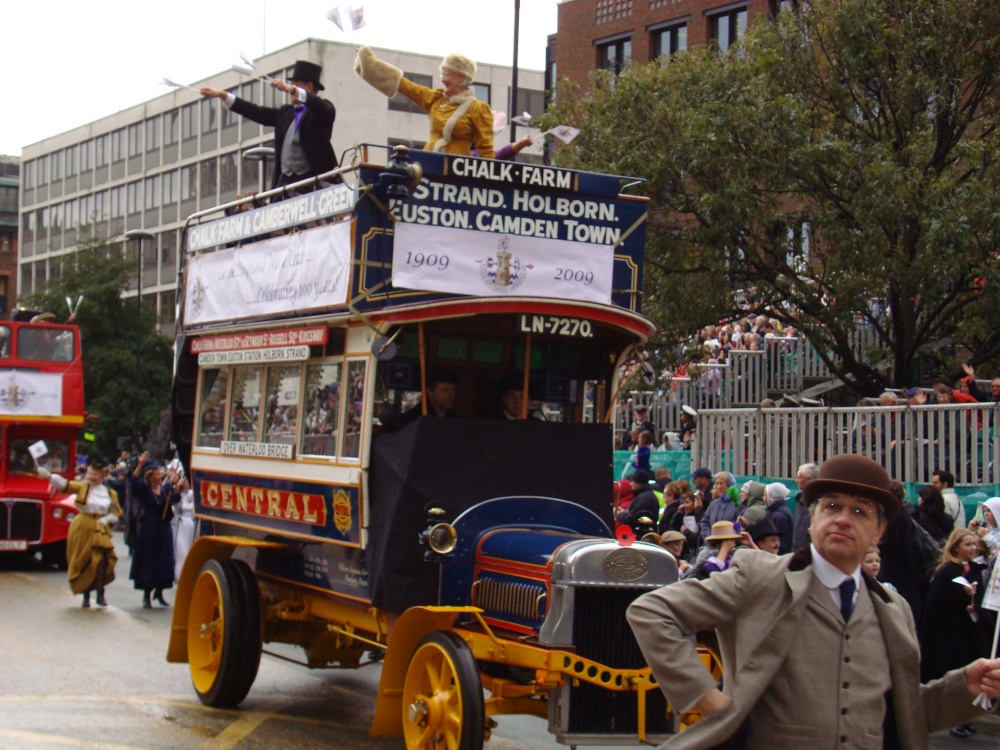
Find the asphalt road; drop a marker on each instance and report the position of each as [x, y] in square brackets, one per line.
[98, 679]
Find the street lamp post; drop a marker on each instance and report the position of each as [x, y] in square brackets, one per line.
[139, 235]
[259, 154]
[513, 72]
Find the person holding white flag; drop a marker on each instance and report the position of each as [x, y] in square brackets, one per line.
[90, 552]
[459, 121]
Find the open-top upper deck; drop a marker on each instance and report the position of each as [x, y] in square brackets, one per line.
[474, 235]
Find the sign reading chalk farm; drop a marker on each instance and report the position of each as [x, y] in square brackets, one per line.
[288, 213]
[293, 273]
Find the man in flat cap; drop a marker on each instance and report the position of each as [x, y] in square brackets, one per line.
[302, 128]
[815, 652]
[439, 395]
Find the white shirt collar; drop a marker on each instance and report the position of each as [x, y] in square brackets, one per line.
[830, 575]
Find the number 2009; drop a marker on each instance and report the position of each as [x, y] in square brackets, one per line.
[418, 260]
[574, 275]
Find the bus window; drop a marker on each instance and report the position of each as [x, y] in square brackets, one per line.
[355, 385]
[282, 404]
[322, 407]
[213, 407]
[244, 418]
[4, 342]
[56, 460]
[45, 344]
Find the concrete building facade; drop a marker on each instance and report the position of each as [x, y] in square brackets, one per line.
[608, 34]
[152, 165]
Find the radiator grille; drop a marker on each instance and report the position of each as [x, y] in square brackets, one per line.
[516, 598]
[601, 633]
[21, 519]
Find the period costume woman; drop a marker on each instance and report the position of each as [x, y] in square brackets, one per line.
[184, 531]
[90, 552]
[459, 122]
[153, 556]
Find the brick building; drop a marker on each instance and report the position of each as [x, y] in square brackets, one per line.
[9, 177]
[609, 34]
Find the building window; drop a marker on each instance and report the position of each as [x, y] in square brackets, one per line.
[189, 124]
[228, 173]
[189, 182]
[8, 199]
[209, 111]
[101, 152]
[171, 125]
[483, 92]
[28, 226]
[615, 55]
[56, 218]
[86, 156]
[118, 145]
[135, 139]
[168, 253]
[72, 214]
[117, 200]
[171, 188]
[152, 192]
[71, 163]
[86, 209]
[609, 10]
[101, 206]
[669, 41]
[43, 170]
[208, 179]
[133, 196]
[168, 307]
[728, 28]
[56, 166]
[26, 287]
[400, 103]
[153, 134]
[248, 92]
[28, 178]
[230, 118]
[531, 101]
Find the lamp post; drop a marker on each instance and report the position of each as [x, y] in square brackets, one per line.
[513, 72]
[259, 154]
[139, 235]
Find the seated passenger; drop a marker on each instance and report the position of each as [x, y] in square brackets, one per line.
[440, 395]
[512, 399]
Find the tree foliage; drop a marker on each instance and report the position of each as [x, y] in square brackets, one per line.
[859, 133]
[101, 272]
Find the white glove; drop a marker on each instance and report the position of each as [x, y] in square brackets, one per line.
[43, 472]
[109, 520]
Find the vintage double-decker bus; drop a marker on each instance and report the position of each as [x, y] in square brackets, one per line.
[476, 551]
[41, 399]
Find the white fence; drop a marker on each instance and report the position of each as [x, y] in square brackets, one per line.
[911, 442]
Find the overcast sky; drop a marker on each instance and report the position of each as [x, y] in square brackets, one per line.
[69, 62]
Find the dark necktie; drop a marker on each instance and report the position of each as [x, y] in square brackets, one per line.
[847, 598]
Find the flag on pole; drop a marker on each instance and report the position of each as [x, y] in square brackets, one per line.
[334, 15]
[522, 119]
[499, 120]
[357, 17]
[37, 450]
[564, 133]
[174, 84]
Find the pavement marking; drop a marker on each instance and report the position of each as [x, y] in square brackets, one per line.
[55, 739]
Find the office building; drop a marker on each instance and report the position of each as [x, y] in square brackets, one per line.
[152, 165]
[9, 177]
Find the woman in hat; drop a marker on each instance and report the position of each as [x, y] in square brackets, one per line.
[989, 531]
[459, 122]
[153, 555]
[90, 552]
[724, 538]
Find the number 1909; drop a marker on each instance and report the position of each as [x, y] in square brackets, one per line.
[431, 260]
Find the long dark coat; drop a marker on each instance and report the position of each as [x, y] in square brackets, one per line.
[949, 638]
[153, 554]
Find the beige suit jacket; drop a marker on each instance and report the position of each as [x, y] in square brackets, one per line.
[756, 607]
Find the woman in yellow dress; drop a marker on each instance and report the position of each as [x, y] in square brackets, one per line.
[90, 551]
[459, 121]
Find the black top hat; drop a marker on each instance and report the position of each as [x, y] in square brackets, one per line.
[307, 71]
[762, 529]
[854, 475]
[441, 376]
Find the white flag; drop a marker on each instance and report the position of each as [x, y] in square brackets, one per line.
[334, 15]
[564, 133]
[243, 69]
[37, 450]
[357, 17]
[174, 84]
[499, 120]
[522, 119]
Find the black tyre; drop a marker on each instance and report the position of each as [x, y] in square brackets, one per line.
[224, 633]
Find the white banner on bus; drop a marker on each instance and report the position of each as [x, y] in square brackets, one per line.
[465, 261]
[293, 273]
[291, 212]
[258, 450]
[30, 394]
[254, 356]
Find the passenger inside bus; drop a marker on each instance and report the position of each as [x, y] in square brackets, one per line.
[440, 394]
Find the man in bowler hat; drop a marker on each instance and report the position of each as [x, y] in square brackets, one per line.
[302, 128]
[815, 652]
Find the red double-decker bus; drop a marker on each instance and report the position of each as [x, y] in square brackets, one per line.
[41, 399]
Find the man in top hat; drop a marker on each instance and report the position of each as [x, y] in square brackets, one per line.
[814, 651]
[302, 129]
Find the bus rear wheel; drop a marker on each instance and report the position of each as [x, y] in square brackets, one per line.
[224, 632]
[443, 696]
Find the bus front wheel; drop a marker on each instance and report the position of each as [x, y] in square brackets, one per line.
[224, 632]
[443, 696]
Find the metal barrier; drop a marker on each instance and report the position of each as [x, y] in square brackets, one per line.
[911, 442]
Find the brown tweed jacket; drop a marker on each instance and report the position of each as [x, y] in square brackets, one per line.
[756, 608]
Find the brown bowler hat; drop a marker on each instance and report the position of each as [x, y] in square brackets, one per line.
[854, 475]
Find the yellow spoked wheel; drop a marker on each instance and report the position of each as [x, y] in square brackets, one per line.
[443, 696]
[224, 632]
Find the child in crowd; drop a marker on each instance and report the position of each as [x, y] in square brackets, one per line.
[872, 564]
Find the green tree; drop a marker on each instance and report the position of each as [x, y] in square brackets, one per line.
[100, 271]
[867, 128]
